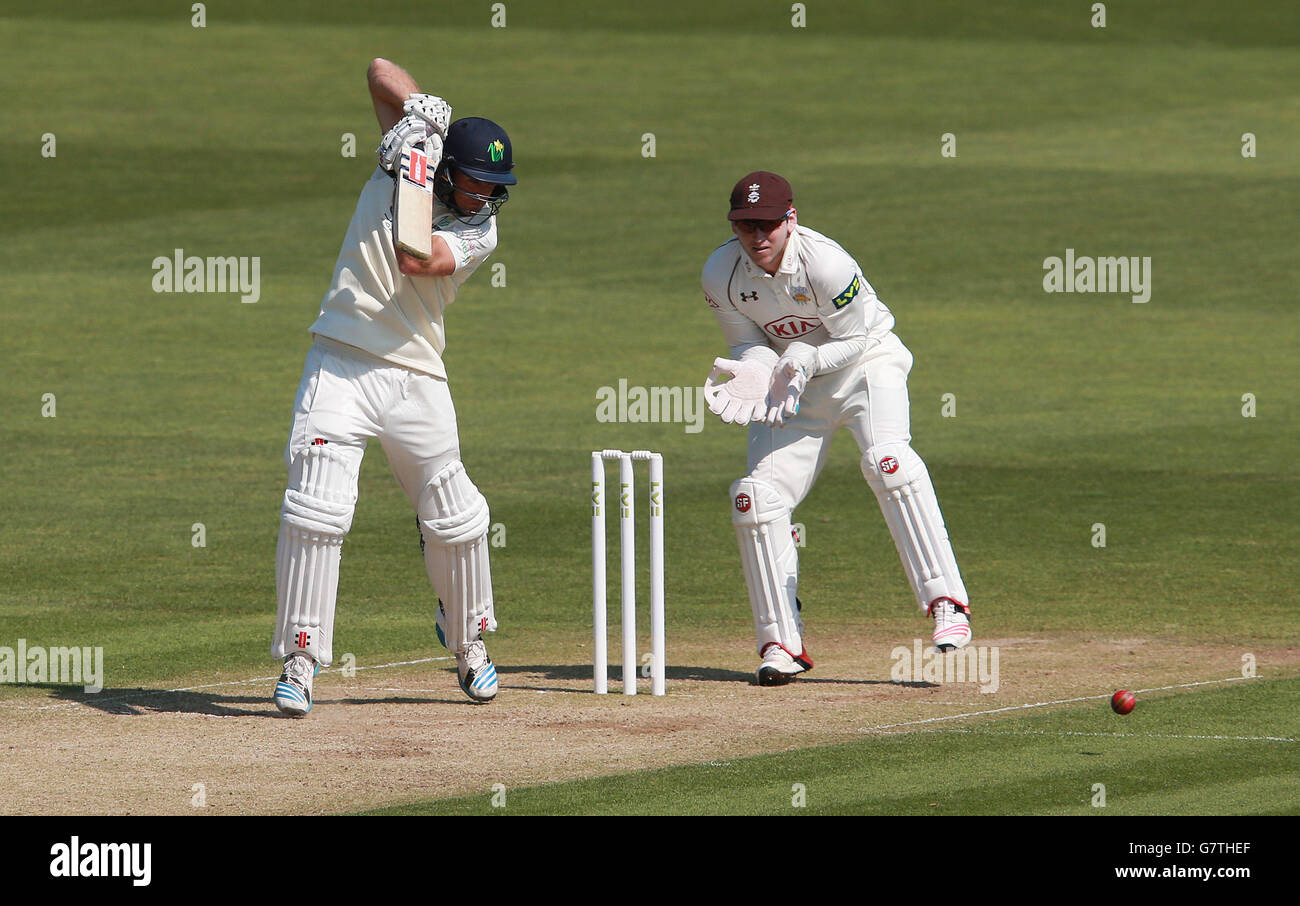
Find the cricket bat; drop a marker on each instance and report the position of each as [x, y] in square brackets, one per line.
[413, 205]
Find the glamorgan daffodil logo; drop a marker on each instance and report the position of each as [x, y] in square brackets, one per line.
[496, 151]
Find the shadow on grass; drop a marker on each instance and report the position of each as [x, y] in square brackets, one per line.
[584, 672]
[256, 701]
[138, 701]
[694, 674]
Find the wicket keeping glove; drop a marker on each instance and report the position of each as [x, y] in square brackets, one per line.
[789, 380]
[743, 397]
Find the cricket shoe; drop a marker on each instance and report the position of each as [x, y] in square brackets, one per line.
[780, 666]
[951, 624]
[293, 691]
[477, 673]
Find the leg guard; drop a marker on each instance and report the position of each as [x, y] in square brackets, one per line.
[454, 524]
[316, 514]
[902, 486]
[771, 564]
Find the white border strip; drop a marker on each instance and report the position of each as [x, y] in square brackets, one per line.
[1063, 701]
[974, 732]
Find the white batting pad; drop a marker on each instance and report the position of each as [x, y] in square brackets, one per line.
[454, 518]
[902, 486]
[770, 562]
[314, 519]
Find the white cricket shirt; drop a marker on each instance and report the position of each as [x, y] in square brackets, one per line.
[374, 306]
[817, 296]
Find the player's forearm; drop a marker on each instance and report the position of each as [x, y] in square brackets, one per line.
[744, 338]
[390, 86]
[834, 355]
[439, 264]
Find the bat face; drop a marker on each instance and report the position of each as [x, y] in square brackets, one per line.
[413, 205]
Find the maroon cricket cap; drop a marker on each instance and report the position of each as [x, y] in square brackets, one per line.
[761, 196]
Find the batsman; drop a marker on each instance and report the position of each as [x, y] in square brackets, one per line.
[375, 370]
[812, 349]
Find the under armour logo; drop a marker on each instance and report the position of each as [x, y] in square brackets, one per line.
[753, 192]
[749, 297]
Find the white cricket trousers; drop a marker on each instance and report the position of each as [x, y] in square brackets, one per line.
[869, 399]
[346, 397]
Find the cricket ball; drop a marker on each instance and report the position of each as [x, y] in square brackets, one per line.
[1122, 702]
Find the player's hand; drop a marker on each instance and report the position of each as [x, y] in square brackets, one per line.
[789, 380]
[434, 111]
[433, 151]
[742, 398]
[410, 130]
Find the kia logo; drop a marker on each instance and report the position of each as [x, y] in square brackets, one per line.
[791, 326]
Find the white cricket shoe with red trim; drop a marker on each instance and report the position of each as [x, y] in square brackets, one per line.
[951, 624]
[780, 666]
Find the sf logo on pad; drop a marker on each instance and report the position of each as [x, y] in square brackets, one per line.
[889, 465]
[742, 503]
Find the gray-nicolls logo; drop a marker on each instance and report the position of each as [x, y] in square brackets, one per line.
[75, 859]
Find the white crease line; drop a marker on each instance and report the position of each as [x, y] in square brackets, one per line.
[1127, 735]
[1063, 701]
[94, 702]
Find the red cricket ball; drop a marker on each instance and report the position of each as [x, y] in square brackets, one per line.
[1123, 702]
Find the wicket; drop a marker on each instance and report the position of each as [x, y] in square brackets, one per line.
[627, 544]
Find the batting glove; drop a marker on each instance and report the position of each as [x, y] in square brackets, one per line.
[742, 398]
[409, 131]
[434, 111]
[789, 380]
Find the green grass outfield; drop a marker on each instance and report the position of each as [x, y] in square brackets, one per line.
[1071, 410]
[1039, 763]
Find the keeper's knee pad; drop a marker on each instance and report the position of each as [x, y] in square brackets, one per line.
[902, 487]
[770, 561]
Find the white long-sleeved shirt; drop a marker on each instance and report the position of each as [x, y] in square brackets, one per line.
[372, 305]
[818, 296]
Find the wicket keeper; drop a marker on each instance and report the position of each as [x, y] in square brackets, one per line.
[812, 350]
